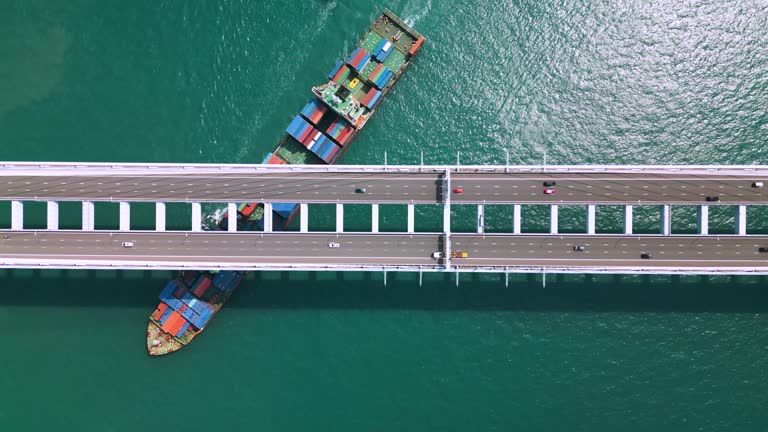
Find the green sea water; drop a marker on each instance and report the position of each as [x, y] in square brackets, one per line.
[218, 81]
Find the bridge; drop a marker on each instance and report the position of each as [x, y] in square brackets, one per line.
[514, 251]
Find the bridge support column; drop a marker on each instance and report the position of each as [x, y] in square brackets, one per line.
[628, 219]
[339, 217]
[447, 219]
[17, 215]
[447, 203]
[303, 218]
[374, 218]
[88, 216]
[741, 220]
[159, 216]
[553, 219]
[591, 219]
[481, 219]
[197, 217]
[516, 225]
[53, 215]
[231, 217]
[703, 214]
[267, 217]
[666, 219]
[411, 221]
[125, 216]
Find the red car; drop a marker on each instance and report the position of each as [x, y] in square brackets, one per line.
[458, 190]
[549, 191]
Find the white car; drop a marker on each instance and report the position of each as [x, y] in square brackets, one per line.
[437, 255]
[127, 244]
[333, 245]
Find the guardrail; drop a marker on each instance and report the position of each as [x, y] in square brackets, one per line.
[107, 168]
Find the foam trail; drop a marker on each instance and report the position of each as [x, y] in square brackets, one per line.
[412, 17]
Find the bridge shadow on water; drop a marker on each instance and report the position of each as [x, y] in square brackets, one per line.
[330, 290]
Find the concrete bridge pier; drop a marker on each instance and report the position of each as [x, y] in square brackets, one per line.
[411, 221]
[88, 216]
[339, 217]
[741, 220]
[267, 217]
[703, 216]
[553, 218]
[160, 216]
[125, 216]
[591, 219]
[481, 219]
[53, 215]
[374, 218]
[17, 215]
[231, 217]
[666, 220]
[303, 217]
[197, 217]
[516, 222]
[628, 220]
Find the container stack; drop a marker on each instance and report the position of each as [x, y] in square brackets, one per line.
[371, 98]
[380, 76]
[227, 280]
[312, 139]
[314, 111]
[186, 305]
[383, 50]
[359, 59]
[340, 131]
[339, 73]
[272, 159]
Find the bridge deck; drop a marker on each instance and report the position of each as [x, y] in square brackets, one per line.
[365, 251]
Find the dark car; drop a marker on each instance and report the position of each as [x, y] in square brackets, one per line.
[762, 249]
[646, 255]
[360, 190]
[712, 199]
[549, 183]
[578, 248]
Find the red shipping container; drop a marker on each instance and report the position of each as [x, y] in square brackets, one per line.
[202, 286]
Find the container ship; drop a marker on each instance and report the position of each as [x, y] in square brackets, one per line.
[319, 134]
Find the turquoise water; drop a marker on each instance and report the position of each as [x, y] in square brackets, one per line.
[585, 82]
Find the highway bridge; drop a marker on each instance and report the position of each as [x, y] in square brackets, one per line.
[588, 186]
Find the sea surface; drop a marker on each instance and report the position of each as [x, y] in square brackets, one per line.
[626, 82]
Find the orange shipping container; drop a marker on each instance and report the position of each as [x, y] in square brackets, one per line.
[248, 210]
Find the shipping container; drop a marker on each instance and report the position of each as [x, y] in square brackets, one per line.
[204, 283]
[359, 58]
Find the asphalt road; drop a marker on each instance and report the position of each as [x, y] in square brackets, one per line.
[388, 249]
[522, 188]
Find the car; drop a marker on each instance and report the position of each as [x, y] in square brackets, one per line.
[646, 255]
[360, 190]
[757, 184]
[549, 191]
[762, 249]
[127, 244]
[550, 183]
[458, 190]
[578, 248]
[712, 199]
[459, 254]
[333, 245]
[437, 255]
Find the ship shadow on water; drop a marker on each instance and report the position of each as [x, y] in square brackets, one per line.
[332, 290]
